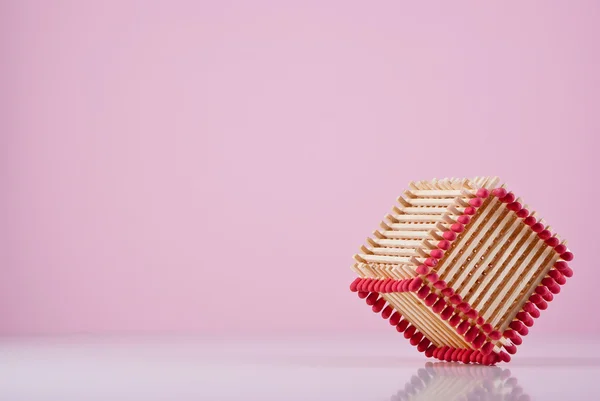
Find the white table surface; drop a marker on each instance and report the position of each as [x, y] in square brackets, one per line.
[376, 368]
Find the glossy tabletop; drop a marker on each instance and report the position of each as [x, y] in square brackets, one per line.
[179, 368]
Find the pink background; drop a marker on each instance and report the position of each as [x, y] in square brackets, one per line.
[212, 166]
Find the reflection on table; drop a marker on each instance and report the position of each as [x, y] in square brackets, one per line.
[458, 382]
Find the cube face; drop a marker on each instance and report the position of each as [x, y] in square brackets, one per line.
[461, 268]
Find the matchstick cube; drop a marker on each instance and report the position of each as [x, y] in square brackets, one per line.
[461, 267]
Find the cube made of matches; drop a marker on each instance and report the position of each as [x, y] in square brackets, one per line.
[461, 267]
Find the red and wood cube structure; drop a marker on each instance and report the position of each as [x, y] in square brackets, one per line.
[462, 268]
